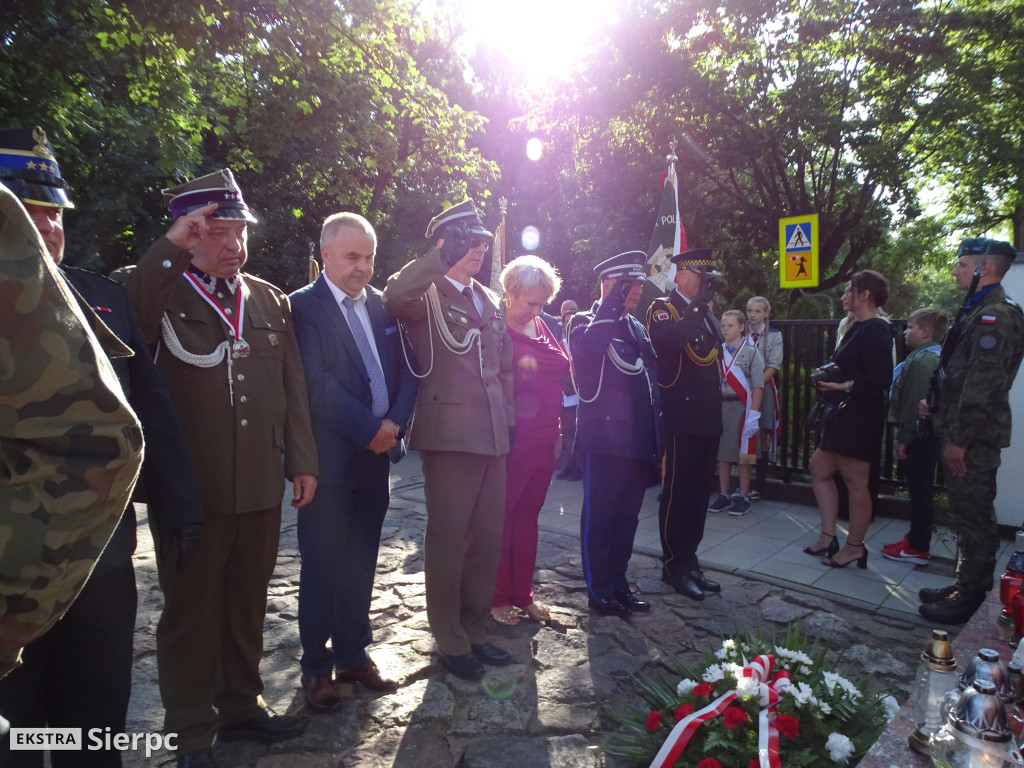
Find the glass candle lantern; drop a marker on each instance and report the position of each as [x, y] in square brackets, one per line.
[936, 675]
[1011, 580]
[975, 735]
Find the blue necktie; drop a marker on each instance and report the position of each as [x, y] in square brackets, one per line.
[378, 388]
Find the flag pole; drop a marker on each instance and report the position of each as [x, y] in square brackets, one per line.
[498, 249]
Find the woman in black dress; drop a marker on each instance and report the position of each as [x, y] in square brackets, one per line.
[851, 437]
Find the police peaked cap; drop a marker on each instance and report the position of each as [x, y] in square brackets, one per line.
[983, 246]
[464, 212]
[29, 169]
[697, 258]
[217, 187]
[628, 264]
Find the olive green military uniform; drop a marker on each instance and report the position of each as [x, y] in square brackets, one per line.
[974, 412]
[71, 446]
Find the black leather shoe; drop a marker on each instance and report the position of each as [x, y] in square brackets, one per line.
[202, 759]
[632, 602]
[265, 726]
[684, 585]
[467, 666]
[609, 606]
[702, 581]
[491, 654]
[955, 609]
[935, 594]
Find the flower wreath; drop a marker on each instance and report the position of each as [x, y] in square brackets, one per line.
[753, 704]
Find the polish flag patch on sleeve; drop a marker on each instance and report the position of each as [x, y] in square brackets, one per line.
[988, 319]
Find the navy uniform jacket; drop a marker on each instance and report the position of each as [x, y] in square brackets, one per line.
[168, 480]
[340, 400]
[686, 338]
[618, 410]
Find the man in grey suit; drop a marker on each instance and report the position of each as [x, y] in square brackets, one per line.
[464, 416]
[361, 396]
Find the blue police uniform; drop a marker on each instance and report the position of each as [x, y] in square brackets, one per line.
[617, 434]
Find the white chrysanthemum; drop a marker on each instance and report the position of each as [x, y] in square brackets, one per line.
[746, 686]
[832, 680]
[804, 698]
[805, 670]
[714, 673]
[794, 657]
[685, 686]
[891, 707]
[728, 649]
[839, 747]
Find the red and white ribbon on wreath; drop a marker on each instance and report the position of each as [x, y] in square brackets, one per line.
[767, 736]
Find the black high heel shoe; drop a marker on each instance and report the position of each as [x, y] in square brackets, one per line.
[831, 549]
[862, 561]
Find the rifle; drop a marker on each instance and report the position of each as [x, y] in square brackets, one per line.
[939, 375]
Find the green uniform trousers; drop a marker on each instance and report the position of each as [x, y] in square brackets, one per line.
[973, 513]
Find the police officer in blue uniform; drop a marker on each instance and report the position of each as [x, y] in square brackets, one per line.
[686, 337]
[617, 428]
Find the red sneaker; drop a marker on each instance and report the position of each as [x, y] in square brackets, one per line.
[902, 552]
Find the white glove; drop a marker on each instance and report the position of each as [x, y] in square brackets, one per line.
[750, 425]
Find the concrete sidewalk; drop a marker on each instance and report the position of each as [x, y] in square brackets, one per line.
[767, 544]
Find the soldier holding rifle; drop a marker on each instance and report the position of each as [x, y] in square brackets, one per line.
[969, 409]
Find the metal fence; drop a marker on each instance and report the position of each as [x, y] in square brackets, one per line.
[808, 344]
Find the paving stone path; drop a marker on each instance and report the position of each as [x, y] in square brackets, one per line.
[545, 709]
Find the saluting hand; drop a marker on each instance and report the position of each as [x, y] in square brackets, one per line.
[188, 230]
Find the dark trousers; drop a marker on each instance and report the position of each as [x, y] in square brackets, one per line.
[339, 537]
[690, 462]
[613, 490]
[209, 641]
[570, 458]
[77, 675]
[919, 467]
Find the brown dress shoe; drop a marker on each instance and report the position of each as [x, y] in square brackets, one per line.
[367, 676]
[320, 694]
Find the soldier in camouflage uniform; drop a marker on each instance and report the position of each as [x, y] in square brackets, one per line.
[972, 421]
[71, 446]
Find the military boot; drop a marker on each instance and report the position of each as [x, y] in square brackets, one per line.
[936, 594]
[955, 609]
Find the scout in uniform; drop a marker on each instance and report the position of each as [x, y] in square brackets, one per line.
[617, 430]
[686, 338]
[463, 424]
[972, 421]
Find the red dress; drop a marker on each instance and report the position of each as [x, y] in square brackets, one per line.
[539, 366]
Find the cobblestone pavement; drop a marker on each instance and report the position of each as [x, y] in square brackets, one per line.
[544, 710]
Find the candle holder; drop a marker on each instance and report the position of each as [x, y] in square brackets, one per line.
[1011, 579]
[936, 674]
[975, 734]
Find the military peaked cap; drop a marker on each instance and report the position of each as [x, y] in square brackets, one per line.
[983, 246]
[628, 264]
[29, 169]
[217, 187]
[697, 258]
[465, 212]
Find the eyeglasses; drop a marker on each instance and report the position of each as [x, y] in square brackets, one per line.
[476, 242]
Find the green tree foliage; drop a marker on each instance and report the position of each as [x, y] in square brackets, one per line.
[316, 106]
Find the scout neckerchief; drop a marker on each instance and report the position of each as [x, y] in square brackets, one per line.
[739, 384]
[239, 347]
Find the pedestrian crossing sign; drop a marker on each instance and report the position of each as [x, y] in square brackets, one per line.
[798, 251]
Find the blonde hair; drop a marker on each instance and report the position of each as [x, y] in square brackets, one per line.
[738, 314]
[526, 272]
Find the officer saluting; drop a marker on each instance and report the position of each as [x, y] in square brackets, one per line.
[617, 435]
[686, 337]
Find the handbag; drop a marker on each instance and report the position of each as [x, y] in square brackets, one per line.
[822, 413]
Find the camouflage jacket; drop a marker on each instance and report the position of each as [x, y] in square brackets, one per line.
[70, 445]
[974, 399]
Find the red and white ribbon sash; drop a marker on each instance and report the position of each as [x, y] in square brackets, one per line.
[768, 734]
[739, 384]
[234, 325]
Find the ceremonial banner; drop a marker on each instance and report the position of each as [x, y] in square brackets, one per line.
[668, 237]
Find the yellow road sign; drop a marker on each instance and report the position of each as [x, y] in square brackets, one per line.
[798, 251]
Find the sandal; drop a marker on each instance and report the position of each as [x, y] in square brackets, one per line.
[507, 616]
[538, 612]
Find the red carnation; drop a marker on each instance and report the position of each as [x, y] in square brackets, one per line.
[683, 710]
[788, 725]
[733, 716]
[709, 762]
[704, 689]
[653, 721]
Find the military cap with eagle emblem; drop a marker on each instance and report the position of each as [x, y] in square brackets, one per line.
[217, 187]
[29, 169]
[628, 264]
[465, 212]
